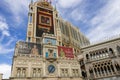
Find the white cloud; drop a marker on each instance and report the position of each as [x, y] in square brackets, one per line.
[19, 8]
[6, 48]
[4, 26]
[5, 69]
[68, 3]
[106, 22]
[76, 15]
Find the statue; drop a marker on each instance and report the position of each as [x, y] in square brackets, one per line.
[34, 50]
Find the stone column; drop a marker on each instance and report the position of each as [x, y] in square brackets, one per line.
[1, 76]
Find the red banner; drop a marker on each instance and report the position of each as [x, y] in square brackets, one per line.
[65, 52]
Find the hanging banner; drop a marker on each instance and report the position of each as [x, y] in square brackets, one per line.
[65, 52]
[29, 48]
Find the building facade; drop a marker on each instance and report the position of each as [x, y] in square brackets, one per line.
[51, 47]
[101, 61]
[54, 50]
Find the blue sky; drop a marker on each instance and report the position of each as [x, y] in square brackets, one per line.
[97, 19]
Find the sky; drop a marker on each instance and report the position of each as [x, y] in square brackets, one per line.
[97, 19]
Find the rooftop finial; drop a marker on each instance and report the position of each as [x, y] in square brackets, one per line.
[31, 1]
[50, 1]
[55, 5]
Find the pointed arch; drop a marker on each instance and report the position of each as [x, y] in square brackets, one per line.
[87, 56]
[111, 50]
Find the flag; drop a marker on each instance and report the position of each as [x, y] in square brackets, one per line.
[50, 1]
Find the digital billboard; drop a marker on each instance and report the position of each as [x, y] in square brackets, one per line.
[44, 22]
[29, 48]
[65, 52]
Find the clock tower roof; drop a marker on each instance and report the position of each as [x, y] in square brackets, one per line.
[45, 4]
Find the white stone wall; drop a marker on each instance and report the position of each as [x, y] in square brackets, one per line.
[100, 54]
[1, 76]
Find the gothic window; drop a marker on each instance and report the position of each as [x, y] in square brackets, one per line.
[24, 72]
[91, 55]
[83, 74]
[101, 55]
[18, 72]
[39, 72]
[87, 56]
[34, 72]
[111, 50]
[97, 54]
[105, 69]
[66, 72]
[73, 72]
[102, 70]
[98, 70]
[91, 71]
[94, 55]
[109, 69]
[117, 67]
[77, 72]
[63, 73]
[112, 68]
[118, 49]
[95, 70]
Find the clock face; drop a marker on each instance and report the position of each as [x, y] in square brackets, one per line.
[51, 68]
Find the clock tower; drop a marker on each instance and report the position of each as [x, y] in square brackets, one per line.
[42, 56]
[41, 20]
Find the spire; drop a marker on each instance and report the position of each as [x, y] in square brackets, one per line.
[31, 1]
[55, 5]
[50, 2]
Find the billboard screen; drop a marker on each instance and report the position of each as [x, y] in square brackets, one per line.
[29, 48]
[65, 52]
[44, 22]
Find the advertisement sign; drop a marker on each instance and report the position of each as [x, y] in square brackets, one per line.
[29, 48]
[44, 22]
[65, 52]
[49, 40]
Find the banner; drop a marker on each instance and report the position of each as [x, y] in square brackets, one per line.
[65, 52]
[29, 48]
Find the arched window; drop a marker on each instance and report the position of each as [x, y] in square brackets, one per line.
[18, 72]
[102, 70]
[117, 67]
[98, 70]
[83, 74]
[112, 68]
[105, 69]
[111, 50]
[118, 49]
[34, 72]
[90, 55]
[97, 54]
[109, 69]
[95, 71]
[91, 71]
[39, 72]
[24, 72]
[94, 56]
[87, 56]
